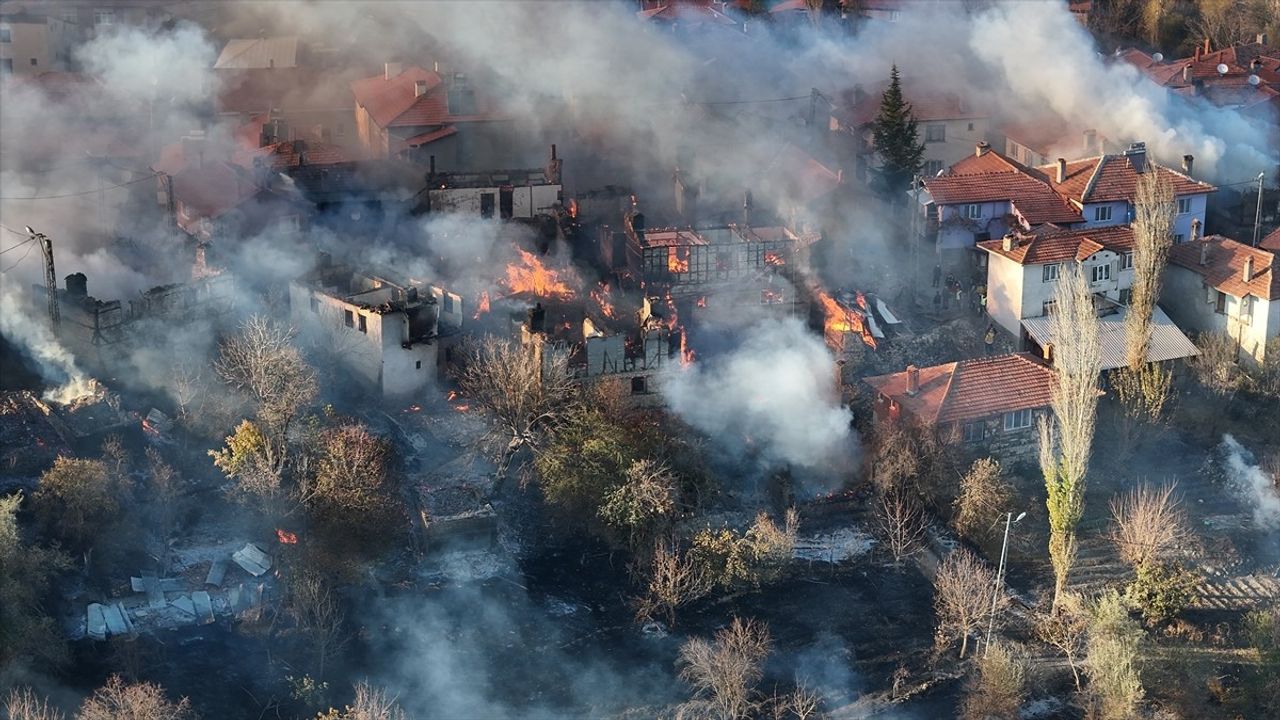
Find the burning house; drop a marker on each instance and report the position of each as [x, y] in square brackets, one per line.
[394, 334]
[504, 194]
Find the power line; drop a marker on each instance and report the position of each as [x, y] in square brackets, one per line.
[24, 257]
[15, 247]
[86, 192]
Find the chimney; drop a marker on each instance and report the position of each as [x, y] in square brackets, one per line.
[1204, 252]
[1198, 49]
[1247, 273]
[1137, 156]
[747, 205]
[1090, 141]
[419, 88]
[537, 318]
[1206, 46]
[1195, 229]
[1186, 74]
[1008, 242]
[981, 148]
[913, 380]
[390, 70]
[1262, 38]
[1187, 160]
[77, 285]
[1062, 170]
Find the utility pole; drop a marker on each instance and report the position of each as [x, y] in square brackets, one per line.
[995, 593]
[916, 234]
[50, 276]
[1257, 215]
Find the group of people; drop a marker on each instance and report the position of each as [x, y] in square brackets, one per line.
[949, 288]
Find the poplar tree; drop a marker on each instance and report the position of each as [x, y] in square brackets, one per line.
[897, 139]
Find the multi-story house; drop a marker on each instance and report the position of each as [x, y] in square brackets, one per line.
[32, 44]
[394, 335]
[987, 194]
[1244, 77]
[1220, 285]
[1023, 274]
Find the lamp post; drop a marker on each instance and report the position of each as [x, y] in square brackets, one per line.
[995, 592]
[1257, 215]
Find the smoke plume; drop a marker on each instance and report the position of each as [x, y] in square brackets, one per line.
[54, 363]
[1252, 484]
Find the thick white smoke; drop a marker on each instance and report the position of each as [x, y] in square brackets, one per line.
[1254, 485]
[775, 392]
[54, 363]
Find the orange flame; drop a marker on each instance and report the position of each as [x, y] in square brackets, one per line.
[771, 297]
[601, 296]
[838, 321]
[286, 538]
[482, 305]
[573, 208]
[534, 278]
[678, 259]
[773, 258]
[686, 353]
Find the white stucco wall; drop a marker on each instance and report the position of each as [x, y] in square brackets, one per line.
[1189, 303]
[1005, 292]
[526, 200]
[958, 235]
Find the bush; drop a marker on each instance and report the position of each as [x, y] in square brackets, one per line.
[759, 556]
[1000, 686]
[1161, 591]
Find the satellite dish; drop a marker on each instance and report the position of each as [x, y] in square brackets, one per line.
[1222, 68]
[1158, 57]
[1254, 80]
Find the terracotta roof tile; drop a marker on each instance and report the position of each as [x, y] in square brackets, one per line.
[1272, 241]
[1053, 244]
[972, 389]
[395, 102]
[1116, 179]
[1224, 267]
[1032, 198]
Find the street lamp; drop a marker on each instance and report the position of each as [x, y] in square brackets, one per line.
[995, 592]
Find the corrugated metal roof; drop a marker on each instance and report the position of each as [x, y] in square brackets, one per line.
[1167, 341]
[259, 53]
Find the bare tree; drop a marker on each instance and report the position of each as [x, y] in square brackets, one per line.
[961, 597]
[318, 614]
[186, 380]
[118, 700]
[370, 703]
[522, 396]
[724, 673]
[1148, 523]
[644, 498]
[1217, 367]
[984, 496]
[901, 520]
[23, 704]
[76, 498]
[162, 493]
[262, 360]
[1111, 662]
[1000, 686]
[674, 580]
[350, 476]
[1154, 211]
[1066, 442]
[1065, 628]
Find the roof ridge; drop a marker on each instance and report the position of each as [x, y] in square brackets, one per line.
[1093, 179]
[946, 392]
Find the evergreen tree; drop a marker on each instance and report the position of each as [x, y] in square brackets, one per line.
[897, 140]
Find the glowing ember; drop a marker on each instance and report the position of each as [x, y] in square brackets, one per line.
[678, 259]
[773, 258]
[573, 208]
[286, 537]
[482, 305]
[601, 297]
[413, 408]
[686, 353]
[771, 297]
[452, 395]
[532, 277]
[839, 321]
[702, 302]
[463, 407]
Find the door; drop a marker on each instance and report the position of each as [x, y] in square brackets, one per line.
[486, 205]
[506, 202]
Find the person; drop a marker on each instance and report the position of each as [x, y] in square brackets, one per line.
[990, 339]
[937, 300]
[937, 275]
[982, 300]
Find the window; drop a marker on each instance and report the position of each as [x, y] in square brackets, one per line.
[1049, 307]
[1179, 237]
[1184, 206]
[973, 432]
[932, 168]
[639, 385]
[894, 15]
[348, 318]
[364, 324]
[6, 35]
[417, 365]
[6, 66]
[340, 131]
[970, 127]
[1220, 303]
[1051, 272]
[1102, 273]
[103, 18]
[33, 61]
[1246, 310]
[935, 133]
[1017, 420]
[315, 305]
[1102, 214]
[1126, 261]
[1126, 296]
[973, 212]
[449, 306]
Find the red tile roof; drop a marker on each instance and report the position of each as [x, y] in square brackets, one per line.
[1229, 88]
[288, 154]
[395, 102]
[1224, 267]
[1054, 244]
[429, 137]
[213, 189]
[1272, 241]
[698, 12]
[971, 389]
[1032, 198]
[1110, 178]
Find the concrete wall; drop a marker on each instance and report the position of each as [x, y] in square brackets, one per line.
[1191, 305]
[961, 138]
[954, 233]
[526, 201]
[1005, 290]
[27, 41]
